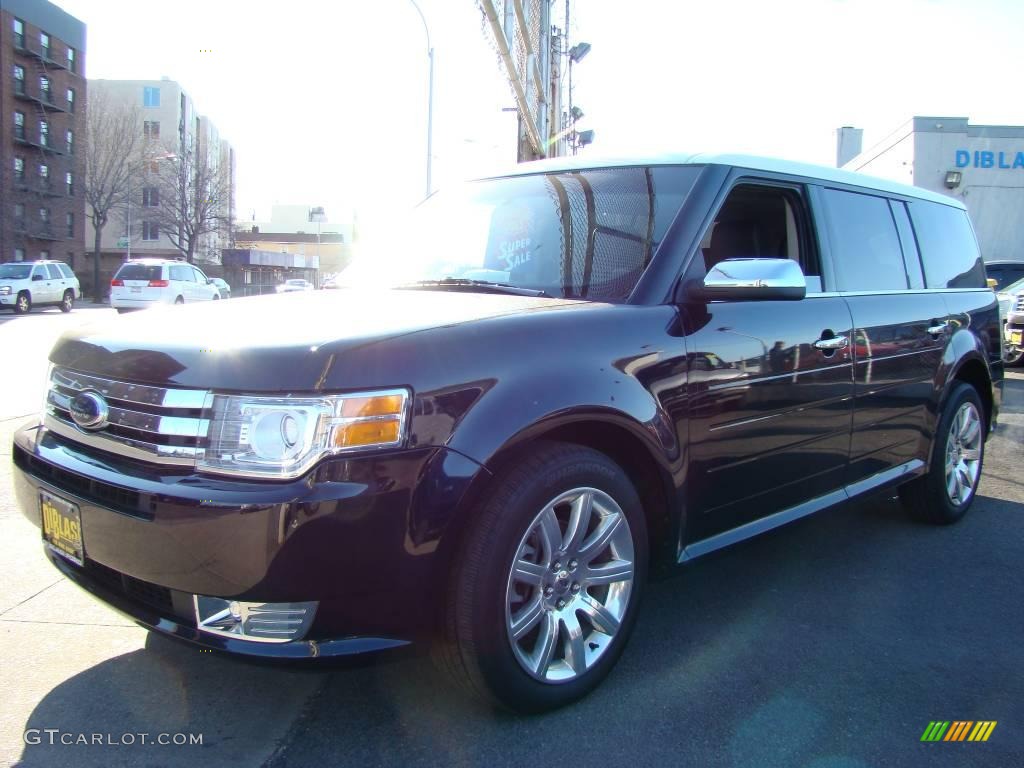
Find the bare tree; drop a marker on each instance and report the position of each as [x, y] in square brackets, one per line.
[194, 196]
[113, 142]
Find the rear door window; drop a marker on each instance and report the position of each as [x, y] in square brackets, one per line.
[949, 250]
[54, 272]
[182, 273]
[865, 245]
[145, 272]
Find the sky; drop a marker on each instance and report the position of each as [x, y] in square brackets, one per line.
[325, 101]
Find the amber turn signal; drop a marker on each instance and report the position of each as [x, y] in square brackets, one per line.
[380, 432]
[381, 405]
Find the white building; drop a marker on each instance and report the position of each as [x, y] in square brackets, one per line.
[168, 119]
[983, 165]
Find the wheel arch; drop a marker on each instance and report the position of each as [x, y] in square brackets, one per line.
[974, 372]
[650, 475]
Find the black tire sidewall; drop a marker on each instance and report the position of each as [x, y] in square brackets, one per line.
[502, 673]
[17, 304]
[67, 302]
[939, 499]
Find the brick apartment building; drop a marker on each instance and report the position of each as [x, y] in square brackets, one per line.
[42, 109]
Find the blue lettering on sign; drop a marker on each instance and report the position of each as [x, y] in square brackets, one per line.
[983, 158]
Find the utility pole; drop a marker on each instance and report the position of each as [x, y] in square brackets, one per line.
[430, 99]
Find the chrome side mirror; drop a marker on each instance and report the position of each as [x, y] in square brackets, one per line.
[752, 279]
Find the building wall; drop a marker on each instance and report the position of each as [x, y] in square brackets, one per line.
[990, 159]
[994, 195]
[334, 257]
[891, 158]
[23, 231]
[171, 117]
[180, 125]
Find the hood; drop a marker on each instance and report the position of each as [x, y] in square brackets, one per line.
[284, 342]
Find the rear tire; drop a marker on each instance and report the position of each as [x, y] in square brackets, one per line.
[536, 616]
[67, 303]
[944, 495]
[23, 304]
[179, 300]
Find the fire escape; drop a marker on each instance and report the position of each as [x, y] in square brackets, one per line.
[43, 179]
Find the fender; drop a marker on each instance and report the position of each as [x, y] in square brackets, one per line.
[963, 348]
[551, 399]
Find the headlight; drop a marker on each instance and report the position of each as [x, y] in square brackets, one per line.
[5, 290]
[284, 437]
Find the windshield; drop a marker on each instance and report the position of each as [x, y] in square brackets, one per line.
[587, 234]
[15, 271]
[1013, 287]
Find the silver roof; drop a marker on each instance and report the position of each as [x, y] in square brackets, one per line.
[752, 162]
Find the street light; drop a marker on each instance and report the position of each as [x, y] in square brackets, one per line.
[430, 96]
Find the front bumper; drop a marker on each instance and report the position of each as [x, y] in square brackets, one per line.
[362, 537]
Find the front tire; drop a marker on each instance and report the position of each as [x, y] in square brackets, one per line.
[67, 303]
[944, 495]
[179, 300]
[545, 592]
[23, 304]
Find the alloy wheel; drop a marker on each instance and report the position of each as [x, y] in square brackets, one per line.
[569, 585]
[963, 454]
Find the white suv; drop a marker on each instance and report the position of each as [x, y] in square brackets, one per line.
[25, 284]
[141, 283]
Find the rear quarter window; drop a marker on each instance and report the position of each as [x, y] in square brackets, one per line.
[138, 272]
[949, 250]
[66, 271]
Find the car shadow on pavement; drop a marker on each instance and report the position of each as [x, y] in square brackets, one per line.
[785, 650]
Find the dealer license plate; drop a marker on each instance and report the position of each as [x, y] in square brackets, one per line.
[62, 527]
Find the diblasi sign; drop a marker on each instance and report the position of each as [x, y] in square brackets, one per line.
[988, 159]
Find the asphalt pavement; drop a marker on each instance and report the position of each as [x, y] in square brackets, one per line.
[830, 643]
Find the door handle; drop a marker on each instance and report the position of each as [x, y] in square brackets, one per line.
[939, 329]
[832, 344]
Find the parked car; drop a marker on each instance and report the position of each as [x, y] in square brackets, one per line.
[1011, 304]
[294, 284]
[1004, 272]
[330, 284]
[27, 284]
[669, 356]
[143, 283]
[222, 287]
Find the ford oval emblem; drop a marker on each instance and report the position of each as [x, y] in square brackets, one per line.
[89, 410]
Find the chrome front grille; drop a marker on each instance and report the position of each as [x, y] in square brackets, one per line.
[166, 426]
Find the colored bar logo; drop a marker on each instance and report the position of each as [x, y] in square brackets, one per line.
[959, 730]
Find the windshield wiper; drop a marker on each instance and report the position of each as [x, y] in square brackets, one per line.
[483, 286]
